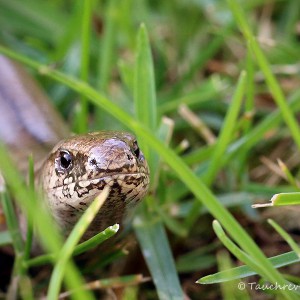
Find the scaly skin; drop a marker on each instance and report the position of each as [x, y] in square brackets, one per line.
[30, 125]
[79, 167]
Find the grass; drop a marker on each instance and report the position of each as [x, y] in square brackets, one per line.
[201, 61]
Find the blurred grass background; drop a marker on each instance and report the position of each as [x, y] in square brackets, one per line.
[198, 54]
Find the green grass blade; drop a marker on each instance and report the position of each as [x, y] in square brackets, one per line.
[12, 222]
[288, 175]
[107, 45]
[110, 283]
[224, 139]
[186, 264]
[244, 271]
[74, 237]
[38, 18]
[80, 248]
[127, 75]
[207, 91]
[29, 233]
[272, 83]
[261, 269]
[97, 239]
[286, 236]
[144, 82]
[205, 54]
[144, 91]
[150, 233]
[202, 193]
[257, 133]
[281, 199]
[229, 290]
[44, 224]
[156, 250]
[81, 124]
[199, 155]
[164, 133]
[241, 255]
[227, 130]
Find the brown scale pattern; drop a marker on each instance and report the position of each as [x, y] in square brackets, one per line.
[96, 160]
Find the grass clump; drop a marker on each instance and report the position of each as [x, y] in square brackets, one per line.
[239, 84]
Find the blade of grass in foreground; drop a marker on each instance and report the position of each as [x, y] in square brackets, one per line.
[183, 172]
[151, 233]
[80, 248]
[12, 223]
[29, 233]
[29, 202]
[236, 251]
[68, 248]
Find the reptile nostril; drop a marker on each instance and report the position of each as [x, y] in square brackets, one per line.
[93, 162]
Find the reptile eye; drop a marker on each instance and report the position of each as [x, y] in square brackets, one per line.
[65, 159]
[136, 149]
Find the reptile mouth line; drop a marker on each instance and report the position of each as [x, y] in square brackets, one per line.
[98, 179]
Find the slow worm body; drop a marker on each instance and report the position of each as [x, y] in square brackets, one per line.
[77, 168]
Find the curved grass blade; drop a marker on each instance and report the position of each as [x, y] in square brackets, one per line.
[278, 261]
[202, 193]
[261, 269]
[26, 198]
[66, 252]
[80, 248]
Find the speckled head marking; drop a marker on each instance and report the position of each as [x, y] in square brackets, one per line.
[79, 167]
